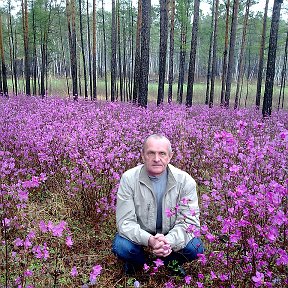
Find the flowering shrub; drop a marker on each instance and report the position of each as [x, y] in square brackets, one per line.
[76, 152]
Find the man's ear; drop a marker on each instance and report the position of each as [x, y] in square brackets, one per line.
[142, 156]
[171, 155]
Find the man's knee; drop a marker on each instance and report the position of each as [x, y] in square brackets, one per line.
[193, 248]
[124, 248]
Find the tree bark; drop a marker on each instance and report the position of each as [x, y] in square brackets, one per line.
[283, 75]
[241, 56]
[113, 55]
[137, 54]
[72, 43]
[210, 56]
[13, 49]
[190, 82]
[270, 71]
[162, 49]
[83, 50]
[225, 53]
[26, 45]
[231, 63]
[171, 51]
[261, 57]
[214, 55]
[144, 62]
[183, 34]
[4, 69]
[105, 52]
[89, 51]
[94, 69]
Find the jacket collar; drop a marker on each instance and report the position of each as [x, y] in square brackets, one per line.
[144, 178]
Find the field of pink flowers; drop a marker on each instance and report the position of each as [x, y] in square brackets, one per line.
[60, 164]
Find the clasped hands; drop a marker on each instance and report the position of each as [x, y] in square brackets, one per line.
[159, 245]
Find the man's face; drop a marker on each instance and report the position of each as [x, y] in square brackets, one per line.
[156, 156]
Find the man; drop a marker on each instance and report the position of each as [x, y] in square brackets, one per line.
[156, 206]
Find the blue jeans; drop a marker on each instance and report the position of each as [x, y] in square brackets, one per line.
[128, 251]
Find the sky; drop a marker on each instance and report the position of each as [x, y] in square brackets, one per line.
[203, 6]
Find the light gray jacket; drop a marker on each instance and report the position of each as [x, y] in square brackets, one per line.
[136, 210]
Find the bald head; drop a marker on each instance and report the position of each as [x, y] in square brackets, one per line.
[160, 137]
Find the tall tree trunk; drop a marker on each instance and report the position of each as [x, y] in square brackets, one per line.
[214, 55]
[124, 65]
[162, 49]
[89, 51]
[241, 56]
[144, 62]
[171, 51]
[44, 54]
[137, 54]
[119, 52]
[270, 71]
[34, 91]
[105, 52]
[43, 64]
[225, 53]
[191, 72]
[83, 50]
[283, 75]
[26, 46]
[4, 69]
[94, 69]
[210, 56]
[183, 34]
[261, 57]
[231, 62]
[72, 43]
[63, 53]
[13, 51]
[113, 56]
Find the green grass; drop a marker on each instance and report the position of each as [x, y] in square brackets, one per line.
[58, 87]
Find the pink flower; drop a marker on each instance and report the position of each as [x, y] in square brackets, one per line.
[202, 259]
[158, 262]
[258, 279]
[187, 279]
[169, 213]
[74, 271]
[57, 230]
[96, 270]
[23, 195]
[146, 267]
[18, 242]
[28, 273]
[42, 226]
[213, 275]
[69, 241]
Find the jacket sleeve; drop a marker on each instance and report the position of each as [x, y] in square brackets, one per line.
[126, 219]
[187, 214]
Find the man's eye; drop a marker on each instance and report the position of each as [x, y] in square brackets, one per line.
[163, 154]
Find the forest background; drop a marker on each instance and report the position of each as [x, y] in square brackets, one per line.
[68, 48]
[83, 83]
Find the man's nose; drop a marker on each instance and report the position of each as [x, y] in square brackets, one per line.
[157, 158]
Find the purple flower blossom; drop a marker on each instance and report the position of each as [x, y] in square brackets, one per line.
[146, 267]
[96, 270]
[69, 241]
[187, 279]
[74, 271]
[136, 284]
[158, 262]
[258, 279]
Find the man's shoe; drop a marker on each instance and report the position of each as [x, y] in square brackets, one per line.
[130, 269]
[177, 271]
